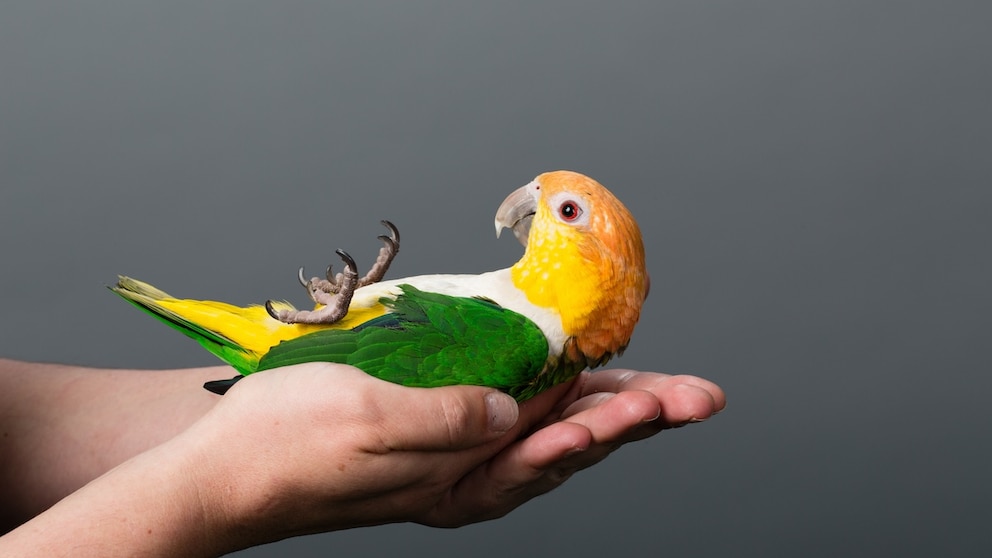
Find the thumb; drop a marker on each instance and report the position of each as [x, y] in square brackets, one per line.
[447, 418]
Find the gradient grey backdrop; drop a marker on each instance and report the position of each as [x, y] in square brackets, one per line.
[812, 179]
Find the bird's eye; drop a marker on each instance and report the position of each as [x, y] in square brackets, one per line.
[569, 210]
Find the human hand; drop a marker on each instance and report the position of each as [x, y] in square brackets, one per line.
[369, 452]
[574, 426]
[320, 447]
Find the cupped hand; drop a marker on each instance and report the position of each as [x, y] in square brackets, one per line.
[322, 447]
[574, 426]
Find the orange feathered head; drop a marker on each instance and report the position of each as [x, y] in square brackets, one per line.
[584, 259]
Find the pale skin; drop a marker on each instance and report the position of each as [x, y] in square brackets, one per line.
[126, 462]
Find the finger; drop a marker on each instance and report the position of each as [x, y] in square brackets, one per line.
[627, 416]
[615, 419]
[610, 417]
[525, 469]
[617, 380]
[587, 402]
[445, 418]
[683, 403]
[546, 407]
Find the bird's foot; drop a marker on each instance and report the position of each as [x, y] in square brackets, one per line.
[333, 295]
[334, 292]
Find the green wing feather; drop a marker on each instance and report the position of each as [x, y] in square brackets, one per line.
[431, 339]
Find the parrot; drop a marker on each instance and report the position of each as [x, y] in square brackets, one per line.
[570, 303]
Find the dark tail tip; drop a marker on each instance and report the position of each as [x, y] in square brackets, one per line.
[220, 387]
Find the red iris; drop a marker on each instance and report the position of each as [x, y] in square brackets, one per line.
[569, 211]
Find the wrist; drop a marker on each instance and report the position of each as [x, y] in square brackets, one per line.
[229, 484]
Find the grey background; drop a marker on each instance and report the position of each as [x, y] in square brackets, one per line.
[812, 180]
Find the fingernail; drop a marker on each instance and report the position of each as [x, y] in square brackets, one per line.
[693, 420]
[502, 410]
[574, 451]
[655, 417]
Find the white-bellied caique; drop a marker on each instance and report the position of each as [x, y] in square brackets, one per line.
[571, 302]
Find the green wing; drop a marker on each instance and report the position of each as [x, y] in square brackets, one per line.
[429, 340]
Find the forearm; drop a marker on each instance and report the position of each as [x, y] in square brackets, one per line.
[148, 506]
[65, 425]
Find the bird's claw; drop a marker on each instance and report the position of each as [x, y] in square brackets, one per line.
[334, 293]
[391, 247]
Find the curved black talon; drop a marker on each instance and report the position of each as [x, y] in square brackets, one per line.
[348, 261]
[393, 232]
[390, 243]
[271, 310]
[393, 240]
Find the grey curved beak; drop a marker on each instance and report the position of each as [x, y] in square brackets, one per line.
[517, 211]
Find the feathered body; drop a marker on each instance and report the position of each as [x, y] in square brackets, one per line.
[570, 302]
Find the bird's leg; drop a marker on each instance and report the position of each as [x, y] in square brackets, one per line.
[335, 296]
[334, 292]
[391, 247]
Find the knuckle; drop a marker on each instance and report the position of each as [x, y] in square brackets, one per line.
[456, 414]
